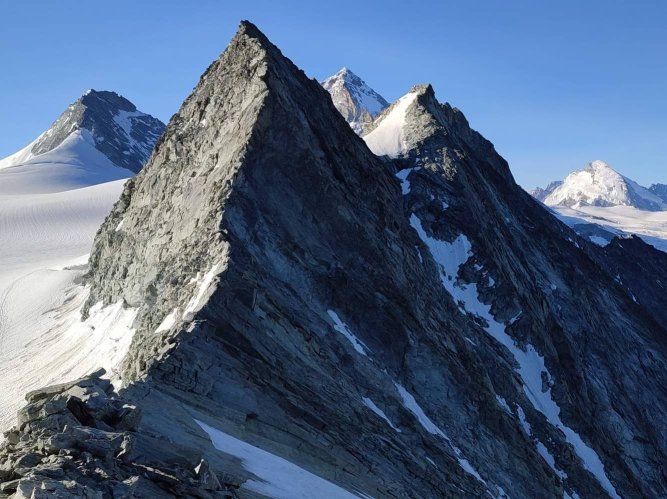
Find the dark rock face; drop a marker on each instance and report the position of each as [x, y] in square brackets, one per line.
[122, 133]
[285, 189]
[438, 334]
[570, 311]
[641, 269]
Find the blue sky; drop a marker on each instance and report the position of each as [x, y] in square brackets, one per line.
[552, 84]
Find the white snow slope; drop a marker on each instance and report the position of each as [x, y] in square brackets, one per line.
[51, 206]
[276, 476]
[73, 164]
[388, 138]
[621, 221]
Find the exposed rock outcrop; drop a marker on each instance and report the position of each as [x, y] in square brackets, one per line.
[552, 291]
[80, 440]
[355, 100]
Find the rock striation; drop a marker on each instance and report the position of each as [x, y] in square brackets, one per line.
[392, 317]
[534, 274]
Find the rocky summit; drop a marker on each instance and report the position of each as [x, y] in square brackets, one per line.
[355, 100]
[324, 315]
[111, 123]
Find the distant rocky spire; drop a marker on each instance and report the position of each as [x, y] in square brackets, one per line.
[357, 102]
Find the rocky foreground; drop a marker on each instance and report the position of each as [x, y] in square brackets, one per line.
[81, 439]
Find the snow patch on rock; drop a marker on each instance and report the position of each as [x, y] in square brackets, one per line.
[411, 405]
[371, 405]
[276, 477]
[531, 364]
[342, 328]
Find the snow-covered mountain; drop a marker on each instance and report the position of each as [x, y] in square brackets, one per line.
[54, 194]
[357, 102]
[600, 185]
[602, 224]
[99, 138]
[600, 204]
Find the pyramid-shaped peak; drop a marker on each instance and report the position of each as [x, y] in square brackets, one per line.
[249, 29]
[347, 75]
[389, 135]
[422, 89]
[257, 142]
[342, 72]
[355, 100]
[598, 184]
[393, 132]
[249, 32]
[111, 123]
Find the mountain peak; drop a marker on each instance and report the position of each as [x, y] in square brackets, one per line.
[414, 118]
[100, 137]
[111, 123]
[598, 165]
[108, 98]
[388, 136]
[355, 100]
[249, 29]
[598, 184]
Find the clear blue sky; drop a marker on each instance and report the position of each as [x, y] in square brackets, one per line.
[553, 84]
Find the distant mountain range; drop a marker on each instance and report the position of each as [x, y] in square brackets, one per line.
[600, 204]
[598, 184]
[54, 194]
